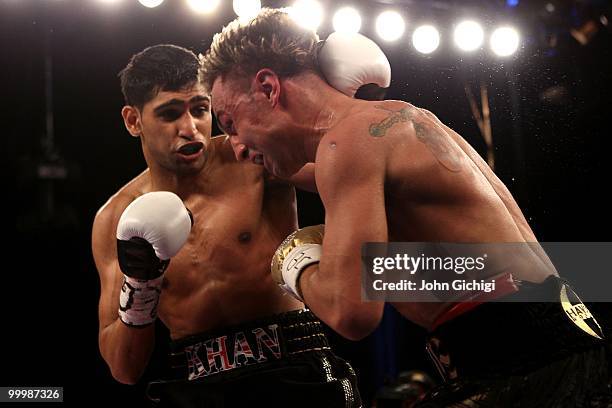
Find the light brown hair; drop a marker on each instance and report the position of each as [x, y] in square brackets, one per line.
[272, 40]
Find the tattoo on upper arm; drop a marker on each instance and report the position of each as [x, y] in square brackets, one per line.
[379, 129]
[433, 136]
[439, 144]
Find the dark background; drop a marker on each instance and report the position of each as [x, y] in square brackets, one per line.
[552, 153]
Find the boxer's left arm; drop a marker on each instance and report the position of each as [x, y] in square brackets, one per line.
[350, 174]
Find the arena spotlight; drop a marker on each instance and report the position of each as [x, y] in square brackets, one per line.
[347, 20]
[150, 3]
[426, 39]
[469, 35]
[390, 25]
[504, 41]
[246, 9]
[307, 13]
[203, 6]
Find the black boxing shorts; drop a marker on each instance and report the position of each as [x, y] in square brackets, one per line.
[281, 361]
[522, 354]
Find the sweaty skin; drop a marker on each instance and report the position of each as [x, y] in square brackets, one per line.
[221, 276]
[385, 171]
[423, 183]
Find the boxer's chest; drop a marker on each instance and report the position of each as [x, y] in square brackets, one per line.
[236, 230]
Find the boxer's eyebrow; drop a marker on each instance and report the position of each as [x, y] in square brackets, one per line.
[200, 98]
[179, 102]
[170, 103]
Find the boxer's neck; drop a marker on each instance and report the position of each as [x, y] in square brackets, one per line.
[319, 109]
[202, 181]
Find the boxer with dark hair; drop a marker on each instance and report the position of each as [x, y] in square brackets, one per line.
[390, 171]
[237, 339]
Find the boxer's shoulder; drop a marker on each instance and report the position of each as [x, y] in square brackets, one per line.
[390, 118]
[391, 105]
[348, 152]
[108, 215]
[368, 121]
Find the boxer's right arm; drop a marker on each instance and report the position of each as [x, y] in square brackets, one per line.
[148, 233]
[126, 350]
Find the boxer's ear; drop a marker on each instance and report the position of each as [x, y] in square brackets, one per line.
[267, 82]
[131, 119]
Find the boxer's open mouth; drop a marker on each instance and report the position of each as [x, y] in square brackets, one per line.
[190, 148]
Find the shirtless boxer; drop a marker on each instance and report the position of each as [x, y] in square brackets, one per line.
[237, 338]
[389, 171]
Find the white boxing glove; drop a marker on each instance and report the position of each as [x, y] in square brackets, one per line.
[350, 60]
[151, 230]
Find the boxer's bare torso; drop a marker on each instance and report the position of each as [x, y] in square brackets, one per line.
[436, 187]
[222, 274]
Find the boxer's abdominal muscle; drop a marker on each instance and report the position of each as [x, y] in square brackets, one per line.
[222, 275]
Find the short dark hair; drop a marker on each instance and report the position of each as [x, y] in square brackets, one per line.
[272, 39]
[163, 67]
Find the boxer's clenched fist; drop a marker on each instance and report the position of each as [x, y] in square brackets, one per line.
[151, 230]
[298, 250]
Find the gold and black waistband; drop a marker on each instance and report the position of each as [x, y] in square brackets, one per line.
[247, 346]
[500, 338]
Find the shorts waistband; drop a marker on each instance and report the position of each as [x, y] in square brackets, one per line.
[504, 286]
[512, 337]
[247, 345]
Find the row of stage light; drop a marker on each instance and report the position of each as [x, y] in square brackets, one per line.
[390, 26]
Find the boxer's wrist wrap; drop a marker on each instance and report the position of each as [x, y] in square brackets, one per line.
[299, 250]
[294, 264]
[138, 301]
